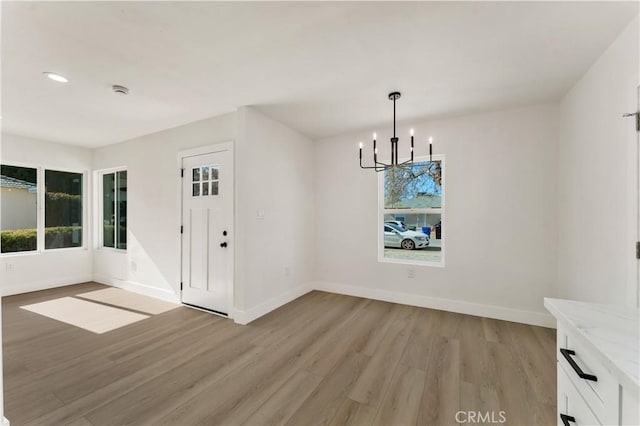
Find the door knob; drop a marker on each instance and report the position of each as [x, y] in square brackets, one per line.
[224, 233]
[637, 117]
[223, 245]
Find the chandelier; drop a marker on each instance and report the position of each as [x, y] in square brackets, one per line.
[380, 166]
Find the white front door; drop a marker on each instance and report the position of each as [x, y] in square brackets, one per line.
[207, 219]
[637, 185]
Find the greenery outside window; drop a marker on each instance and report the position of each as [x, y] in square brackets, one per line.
[63, 212]
[412, 213]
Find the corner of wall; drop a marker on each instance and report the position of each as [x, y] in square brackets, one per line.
[245, 317]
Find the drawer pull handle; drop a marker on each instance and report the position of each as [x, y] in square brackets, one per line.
[567, 353]
[566, 419]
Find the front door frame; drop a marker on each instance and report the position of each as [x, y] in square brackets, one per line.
[208, 149]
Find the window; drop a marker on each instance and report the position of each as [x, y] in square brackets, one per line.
[62, 209]
[412, 209]
[114, 209]
[19, 215]
[41, 209]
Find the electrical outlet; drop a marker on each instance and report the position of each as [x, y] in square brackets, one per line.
[411, 273]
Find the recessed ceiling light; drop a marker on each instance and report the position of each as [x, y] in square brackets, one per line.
[56, 77]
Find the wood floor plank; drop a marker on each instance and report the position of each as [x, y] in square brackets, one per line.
[321, 359]
[373, 383]
[534, 361]
[401, 402]
[441, 396]
[80, 422]
[321, 406]
[416, 353]
[256, 376]
[352, 413]
[285, 401]
[514, 392]
[478, 398]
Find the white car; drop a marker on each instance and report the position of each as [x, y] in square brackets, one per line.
[394, 236]
[396, 224]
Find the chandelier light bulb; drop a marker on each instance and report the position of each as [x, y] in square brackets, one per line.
[360, 145]
[375, 136]
[411, 132]
[430, 140]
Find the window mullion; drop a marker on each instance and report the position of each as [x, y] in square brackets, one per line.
[40, 219]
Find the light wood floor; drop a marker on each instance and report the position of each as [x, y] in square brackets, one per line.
[322, 359]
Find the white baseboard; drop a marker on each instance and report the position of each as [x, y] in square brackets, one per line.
[28, 287]
[489, 311]
[245, 317]
[158, 293]
[4, 421]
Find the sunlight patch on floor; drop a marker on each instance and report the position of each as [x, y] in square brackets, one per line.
[128, 300]
[87, 315]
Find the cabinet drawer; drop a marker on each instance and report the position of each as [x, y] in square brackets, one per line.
[598, 388]
[571, 403]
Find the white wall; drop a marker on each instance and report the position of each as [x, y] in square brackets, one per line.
[274, 259]
[500, 222]
[21, 273]
[19, 209]
[274, 173]
[598, 178]
[151, 263]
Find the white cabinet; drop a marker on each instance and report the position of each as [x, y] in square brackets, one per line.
[597, 364]
[572, 408]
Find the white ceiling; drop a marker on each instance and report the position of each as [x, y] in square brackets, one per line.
[323, 68]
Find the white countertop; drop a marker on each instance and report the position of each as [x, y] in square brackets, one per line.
[612, 331]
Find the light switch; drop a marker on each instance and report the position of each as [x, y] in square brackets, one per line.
[260, 214]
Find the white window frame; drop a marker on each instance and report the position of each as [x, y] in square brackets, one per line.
[382, 211]
[99, 190]
[40, 206]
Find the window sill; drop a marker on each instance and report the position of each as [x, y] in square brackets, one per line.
[112, 250]
[39, 252]
[412, 262]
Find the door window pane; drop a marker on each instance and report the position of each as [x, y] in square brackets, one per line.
[19, 215]
[62, 209]
[215, 175]
[196, 190]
